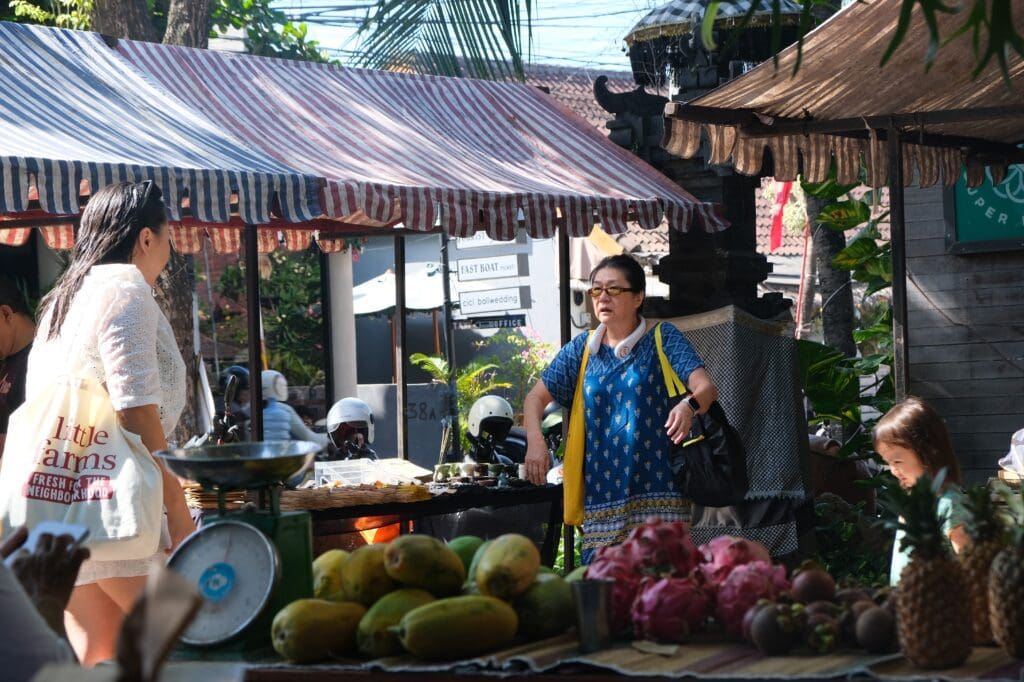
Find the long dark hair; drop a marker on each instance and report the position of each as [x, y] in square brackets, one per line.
[914, 425]
[108, 233]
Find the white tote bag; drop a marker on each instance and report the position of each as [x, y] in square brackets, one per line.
[68, 459]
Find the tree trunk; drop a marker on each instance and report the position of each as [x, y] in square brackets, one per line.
[834, 285]
[174, 293]
[123, 19]
[188, 23]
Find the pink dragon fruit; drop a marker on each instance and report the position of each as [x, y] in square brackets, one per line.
[669, 609]
[745, 585]
[612, 563]
[662, 548]
[725, 553]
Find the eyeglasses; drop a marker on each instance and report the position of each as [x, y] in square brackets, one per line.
[595, 292]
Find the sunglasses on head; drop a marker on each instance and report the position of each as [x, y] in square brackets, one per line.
[595, 292]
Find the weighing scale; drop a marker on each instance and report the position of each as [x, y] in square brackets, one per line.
[250, 563]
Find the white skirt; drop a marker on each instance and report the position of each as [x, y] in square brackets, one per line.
[93, 571]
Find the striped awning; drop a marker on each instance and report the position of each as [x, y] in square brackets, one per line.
[680, 17]
[75, 116]
[423, 150]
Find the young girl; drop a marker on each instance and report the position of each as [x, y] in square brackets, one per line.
[913, 441]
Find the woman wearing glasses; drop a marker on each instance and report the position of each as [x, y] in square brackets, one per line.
[103, 312]
[629, 423]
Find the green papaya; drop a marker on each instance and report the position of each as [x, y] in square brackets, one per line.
[578, 573]
[426, 562]
[471, 573]
[465, 546]
[546, 609]
[508, 566]
[363, 576]
[373, 637]
[309, 630]
[457, 627]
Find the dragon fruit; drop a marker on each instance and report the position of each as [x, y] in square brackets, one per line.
[725, 553]
[743, 588]
[662, 548]
[613, 563]
[669, 609]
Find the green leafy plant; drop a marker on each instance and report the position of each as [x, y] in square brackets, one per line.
[839, 387]
[521, 355]
[472, 381]
[849, 543]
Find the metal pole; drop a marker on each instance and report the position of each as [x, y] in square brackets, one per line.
[449, 348]
[213, 316]
[564, 308]
[564, 305]
[252, 302]
[325, 320]
[400, 345]
[901, 365]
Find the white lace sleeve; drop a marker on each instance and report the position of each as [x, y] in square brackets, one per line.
[127, 340]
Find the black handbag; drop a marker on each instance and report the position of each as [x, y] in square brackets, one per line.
[710, 465]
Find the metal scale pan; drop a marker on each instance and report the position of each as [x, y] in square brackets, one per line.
[241, 466]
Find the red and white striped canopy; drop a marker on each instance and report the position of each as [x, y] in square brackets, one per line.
[423, 150]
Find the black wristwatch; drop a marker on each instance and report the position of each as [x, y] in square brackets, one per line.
[692, 402]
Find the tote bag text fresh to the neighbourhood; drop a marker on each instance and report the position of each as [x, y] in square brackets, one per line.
[67, 458]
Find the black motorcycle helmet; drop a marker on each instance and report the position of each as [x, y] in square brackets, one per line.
[240, 373]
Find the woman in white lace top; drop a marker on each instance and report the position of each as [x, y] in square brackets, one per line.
[103, 308]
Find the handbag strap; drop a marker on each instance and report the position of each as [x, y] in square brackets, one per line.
[673, 383]
[577, 396]
[575, 446]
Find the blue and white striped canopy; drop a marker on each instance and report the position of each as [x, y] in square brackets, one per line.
[72, 109]
[684, 16]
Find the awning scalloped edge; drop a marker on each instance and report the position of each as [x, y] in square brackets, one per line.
[812, 155]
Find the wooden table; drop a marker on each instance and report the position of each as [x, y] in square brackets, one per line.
[557, 660]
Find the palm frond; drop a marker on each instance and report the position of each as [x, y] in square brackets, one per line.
[448, 37]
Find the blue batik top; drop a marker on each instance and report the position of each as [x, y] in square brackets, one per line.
[626, 471]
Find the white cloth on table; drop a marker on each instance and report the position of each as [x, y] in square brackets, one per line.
[125, 342]
[1014, 459]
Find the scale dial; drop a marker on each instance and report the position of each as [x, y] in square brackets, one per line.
[235, 568]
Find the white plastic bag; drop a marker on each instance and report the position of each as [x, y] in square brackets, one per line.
[1014, 459]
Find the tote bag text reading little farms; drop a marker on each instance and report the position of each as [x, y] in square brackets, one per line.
[68, 459]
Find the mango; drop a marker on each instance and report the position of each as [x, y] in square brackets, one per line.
[373, 636]
[546, 609]
[508, 566]
[471, 572]
[309, 630]
[465, 546]
[327, 573]
[578, 573]
[363, 576]
[457, 627]
[426, 562]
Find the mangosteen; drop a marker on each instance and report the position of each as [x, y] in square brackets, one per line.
[821, 633]
[861, 606]
[876, 630]
[774, 630]
[882, 595]
[849, 595]
[827, 608]
[748, 617]
[811, 582]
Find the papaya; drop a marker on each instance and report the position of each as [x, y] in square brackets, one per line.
[426, 562]
[327, 573]
[545, 569]
[309, 630]
[471, 573]
[508, 567]
[457, 627]
[546, 609]
[373, 638]
[363, 576]
[465, 546]
[578, 573]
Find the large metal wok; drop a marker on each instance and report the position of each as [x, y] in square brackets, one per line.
[241, 466]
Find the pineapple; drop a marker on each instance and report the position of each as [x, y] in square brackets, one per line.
[933, 607]
[983, 525]
[1006, 583]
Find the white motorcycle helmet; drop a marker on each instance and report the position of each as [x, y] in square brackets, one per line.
[351, 411]
[274, 385]
[490, 414]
